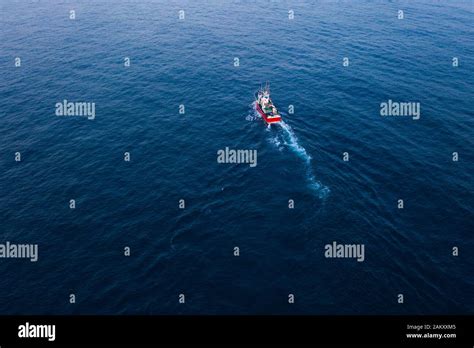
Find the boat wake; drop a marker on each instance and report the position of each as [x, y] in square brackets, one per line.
[291, 141]
[286, 138]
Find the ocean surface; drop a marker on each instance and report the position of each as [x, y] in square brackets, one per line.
[190, 251]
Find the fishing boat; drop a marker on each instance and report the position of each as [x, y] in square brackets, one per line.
[265, 107]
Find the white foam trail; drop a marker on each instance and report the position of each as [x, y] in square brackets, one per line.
[289, 139]
[292, 141]
[276, 141]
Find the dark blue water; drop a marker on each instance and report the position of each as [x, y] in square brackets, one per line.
[173, 157]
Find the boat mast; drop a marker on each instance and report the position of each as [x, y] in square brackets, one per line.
[267, 87]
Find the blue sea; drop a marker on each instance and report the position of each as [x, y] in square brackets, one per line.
[173, 156]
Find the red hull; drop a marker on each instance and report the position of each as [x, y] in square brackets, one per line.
[268, 120]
